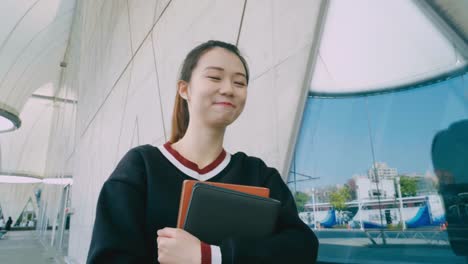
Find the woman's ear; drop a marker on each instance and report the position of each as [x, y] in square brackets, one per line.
[182, 88]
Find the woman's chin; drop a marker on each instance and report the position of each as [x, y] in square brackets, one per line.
[222, 122]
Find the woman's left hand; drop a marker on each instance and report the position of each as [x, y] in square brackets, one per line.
[177, 246]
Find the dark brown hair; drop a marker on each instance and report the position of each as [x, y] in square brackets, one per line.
[180, 115]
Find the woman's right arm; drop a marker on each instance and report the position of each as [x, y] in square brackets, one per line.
[118, 233]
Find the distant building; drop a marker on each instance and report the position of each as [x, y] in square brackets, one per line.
[383, 171]
[366, 186]
[366, 189]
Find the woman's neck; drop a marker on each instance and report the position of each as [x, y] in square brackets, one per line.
[200, 145]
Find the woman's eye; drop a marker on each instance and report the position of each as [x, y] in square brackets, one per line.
[240, 83]
[214, 78]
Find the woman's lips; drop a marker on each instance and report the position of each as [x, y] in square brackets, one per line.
[226, 104]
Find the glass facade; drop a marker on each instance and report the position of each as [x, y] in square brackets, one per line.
[385, 177]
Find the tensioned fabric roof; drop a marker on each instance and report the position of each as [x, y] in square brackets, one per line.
[34, 35]
[370, 46]
[367, 46]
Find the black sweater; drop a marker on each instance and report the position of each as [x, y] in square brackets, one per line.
[142, 196]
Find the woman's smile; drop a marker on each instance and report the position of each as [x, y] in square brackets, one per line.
[226, 104]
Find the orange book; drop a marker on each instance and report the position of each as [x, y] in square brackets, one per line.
[186, 194]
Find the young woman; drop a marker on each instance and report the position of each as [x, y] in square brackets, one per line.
[138, 205]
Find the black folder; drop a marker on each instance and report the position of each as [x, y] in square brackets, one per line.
[217, 213]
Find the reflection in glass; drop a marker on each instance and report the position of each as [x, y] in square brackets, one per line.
[450, 159]
[363, 176]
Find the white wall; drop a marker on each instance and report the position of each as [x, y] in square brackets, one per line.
[124, 60]
[365, 187]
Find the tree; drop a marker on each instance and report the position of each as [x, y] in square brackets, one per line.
[301, 200]
[408, 185]
[339, 197]
[352, 188]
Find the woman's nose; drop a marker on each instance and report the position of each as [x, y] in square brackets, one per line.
[226, 88]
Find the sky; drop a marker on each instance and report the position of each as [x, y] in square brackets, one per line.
[334, 142]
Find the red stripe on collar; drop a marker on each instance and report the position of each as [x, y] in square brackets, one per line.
[193, 166]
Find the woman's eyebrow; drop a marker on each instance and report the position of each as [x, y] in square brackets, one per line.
[221, 69]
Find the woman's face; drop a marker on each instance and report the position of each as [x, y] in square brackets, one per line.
[217, 90]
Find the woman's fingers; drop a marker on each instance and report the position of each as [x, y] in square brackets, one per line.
[177, 246]
[167, 232]
[164, 242]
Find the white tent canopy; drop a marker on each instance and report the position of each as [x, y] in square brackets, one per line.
[372, 46]
[13, 198]
[34, 35]
[366, 46]
[24, 151]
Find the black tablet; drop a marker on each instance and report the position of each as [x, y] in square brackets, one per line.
[217, 213]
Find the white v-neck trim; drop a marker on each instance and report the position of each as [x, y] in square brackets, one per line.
[192, 173]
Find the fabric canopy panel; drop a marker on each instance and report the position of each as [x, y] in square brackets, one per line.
[24, 151]
[372, 46]
[33, 38]
[13, 198]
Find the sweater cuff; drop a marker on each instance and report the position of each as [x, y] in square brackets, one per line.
[205, 253]
[216, 255]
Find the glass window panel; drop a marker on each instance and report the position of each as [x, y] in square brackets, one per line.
[364, 177]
